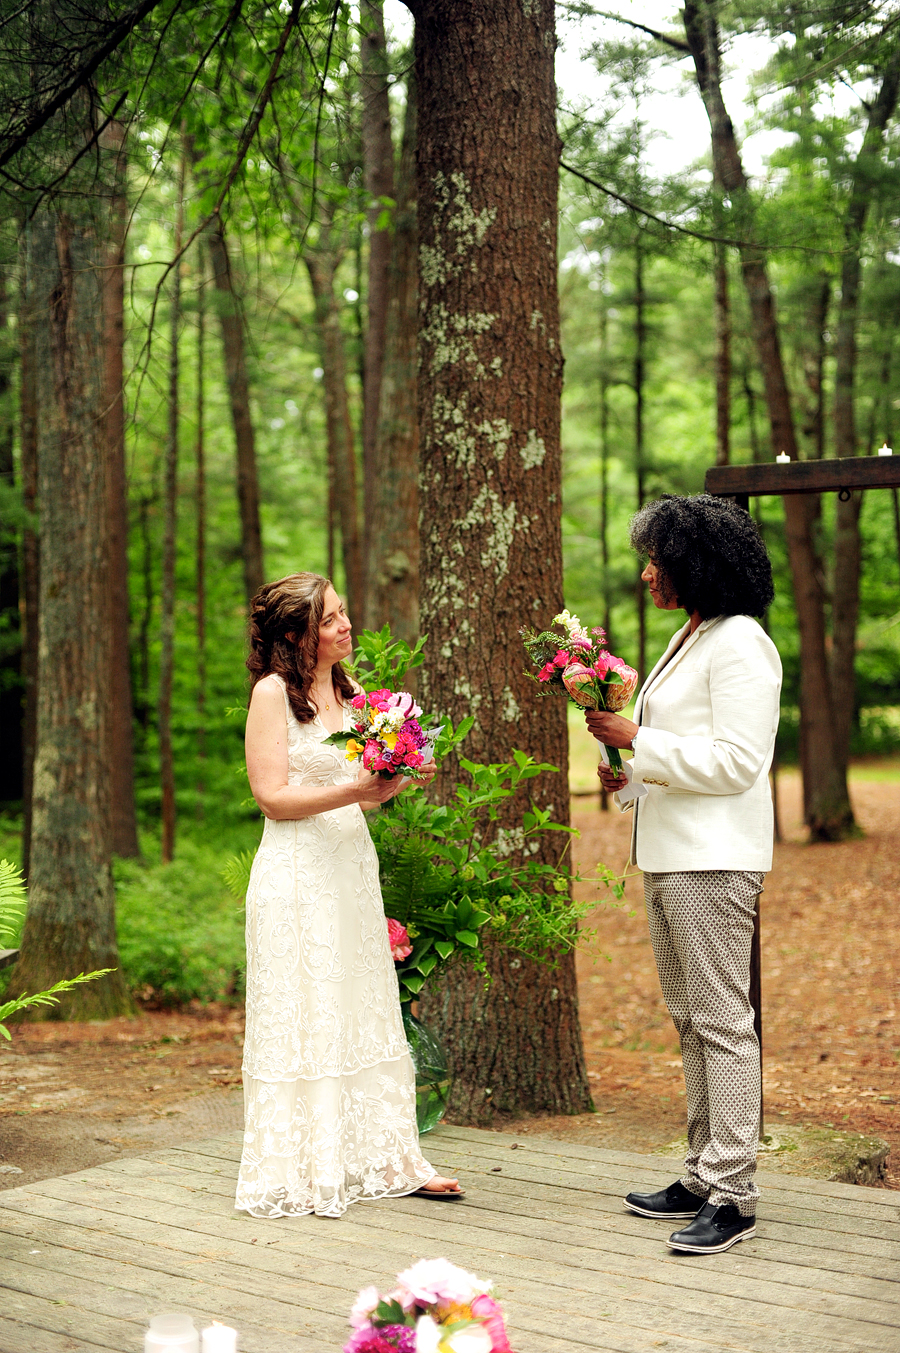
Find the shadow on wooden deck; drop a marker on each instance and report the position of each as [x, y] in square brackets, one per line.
[88, 1258]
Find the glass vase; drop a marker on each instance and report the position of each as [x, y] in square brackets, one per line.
[432, 1072]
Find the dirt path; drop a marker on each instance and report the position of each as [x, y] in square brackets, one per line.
[72, 1096]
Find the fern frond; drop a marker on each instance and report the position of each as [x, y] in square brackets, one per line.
[49, 997]
[12, 899]
[236, 873]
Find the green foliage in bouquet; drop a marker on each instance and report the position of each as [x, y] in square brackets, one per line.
[12, 911]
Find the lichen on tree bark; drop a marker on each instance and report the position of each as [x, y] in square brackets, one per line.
[490, 375]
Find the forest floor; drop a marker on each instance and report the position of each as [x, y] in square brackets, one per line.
[73, 1096]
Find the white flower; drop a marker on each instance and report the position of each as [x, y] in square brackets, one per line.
[473, 1339]
[432, 1280]
[428, 1335]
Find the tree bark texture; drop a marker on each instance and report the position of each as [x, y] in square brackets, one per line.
[847, 544]
[490, 371]
[70, 926]
[231, 320]
[828, 813]
[392, 593]
[169, 559]
[11, 730]
[120, 752]
[723, 358]
[30, 539]
[378, 178]
[321, 265]
[639, 378]
[200, 508]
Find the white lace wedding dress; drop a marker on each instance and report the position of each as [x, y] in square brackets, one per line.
[329, 1088]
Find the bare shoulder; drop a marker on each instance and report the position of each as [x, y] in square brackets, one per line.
[267, 695]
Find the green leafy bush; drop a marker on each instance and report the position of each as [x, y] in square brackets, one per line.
[181, 937]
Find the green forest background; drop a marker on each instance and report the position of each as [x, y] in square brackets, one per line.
[180, 931]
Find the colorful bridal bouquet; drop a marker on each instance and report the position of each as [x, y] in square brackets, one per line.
[387, 734]
[578, 664]
[435, 1308]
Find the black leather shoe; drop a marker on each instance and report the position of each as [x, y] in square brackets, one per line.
[713, 1229]
[670, 1204]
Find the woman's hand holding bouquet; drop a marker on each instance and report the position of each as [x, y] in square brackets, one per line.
[389, 741]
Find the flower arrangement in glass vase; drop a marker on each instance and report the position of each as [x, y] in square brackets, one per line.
[434, 1308]
[578, 665]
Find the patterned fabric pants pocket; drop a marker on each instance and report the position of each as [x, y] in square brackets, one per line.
[701, 928]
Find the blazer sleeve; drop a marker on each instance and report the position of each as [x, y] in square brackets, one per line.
[744, 690]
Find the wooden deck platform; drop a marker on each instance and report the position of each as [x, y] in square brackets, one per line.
[86, 1259]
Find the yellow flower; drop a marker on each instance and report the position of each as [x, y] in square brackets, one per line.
[389, 740]
[354, 749]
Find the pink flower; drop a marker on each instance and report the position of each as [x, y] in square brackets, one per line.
[546, 671]
[488, 1310]
[433, 1280]
[580, 682]
[371, 755]
[617, 697]
[599, 633]
[414, 760]
[601, 666]
[580, 640]
[379, 699]
[359, 701]
[562, 658]
[388, 1339]
[406, 704]
[368, 1298]
[398, 939]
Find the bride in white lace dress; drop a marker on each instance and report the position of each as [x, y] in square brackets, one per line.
[329, 1088]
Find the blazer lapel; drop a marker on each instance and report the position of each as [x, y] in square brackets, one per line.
[670, 660]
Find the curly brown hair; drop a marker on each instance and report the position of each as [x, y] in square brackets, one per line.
[284, 639]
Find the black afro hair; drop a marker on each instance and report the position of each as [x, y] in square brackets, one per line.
[709, 552]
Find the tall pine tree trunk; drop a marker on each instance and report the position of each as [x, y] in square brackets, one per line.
[233, 345]
[200, 508]
[70, 926]
[393, 510]
[321, 265]
[30, 539]
[120, 752]
[827, 807]
[378, 177]
[490, 372]
[639, 377]
[11, 727]
[847, 546]
[170, 540]
[723, 357]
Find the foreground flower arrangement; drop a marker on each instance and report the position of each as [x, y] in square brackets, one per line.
[434, 1308]
[578, 665]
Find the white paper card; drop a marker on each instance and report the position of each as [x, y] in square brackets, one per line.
[631, 790]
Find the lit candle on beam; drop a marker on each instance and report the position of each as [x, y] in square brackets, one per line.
[219, 1339]
[885, 450]
[782, 458]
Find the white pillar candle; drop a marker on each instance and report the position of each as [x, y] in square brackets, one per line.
[172, 1334]
[885, 450]
[782, 458]
[219, 1339]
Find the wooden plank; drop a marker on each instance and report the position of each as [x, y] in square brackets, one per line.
[632, 1160]
[805, 476]
[630, 1235]
[840, 1318]
[625, 1322]
[18, 1337]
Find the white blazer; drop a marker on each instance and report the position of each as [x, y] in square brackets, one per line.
[708, 714]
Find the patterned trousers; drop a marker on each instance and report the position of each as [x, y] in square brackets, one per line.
[701, 927]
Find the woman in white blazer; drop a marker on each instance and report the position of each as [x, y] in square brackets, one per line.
[703, 738]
